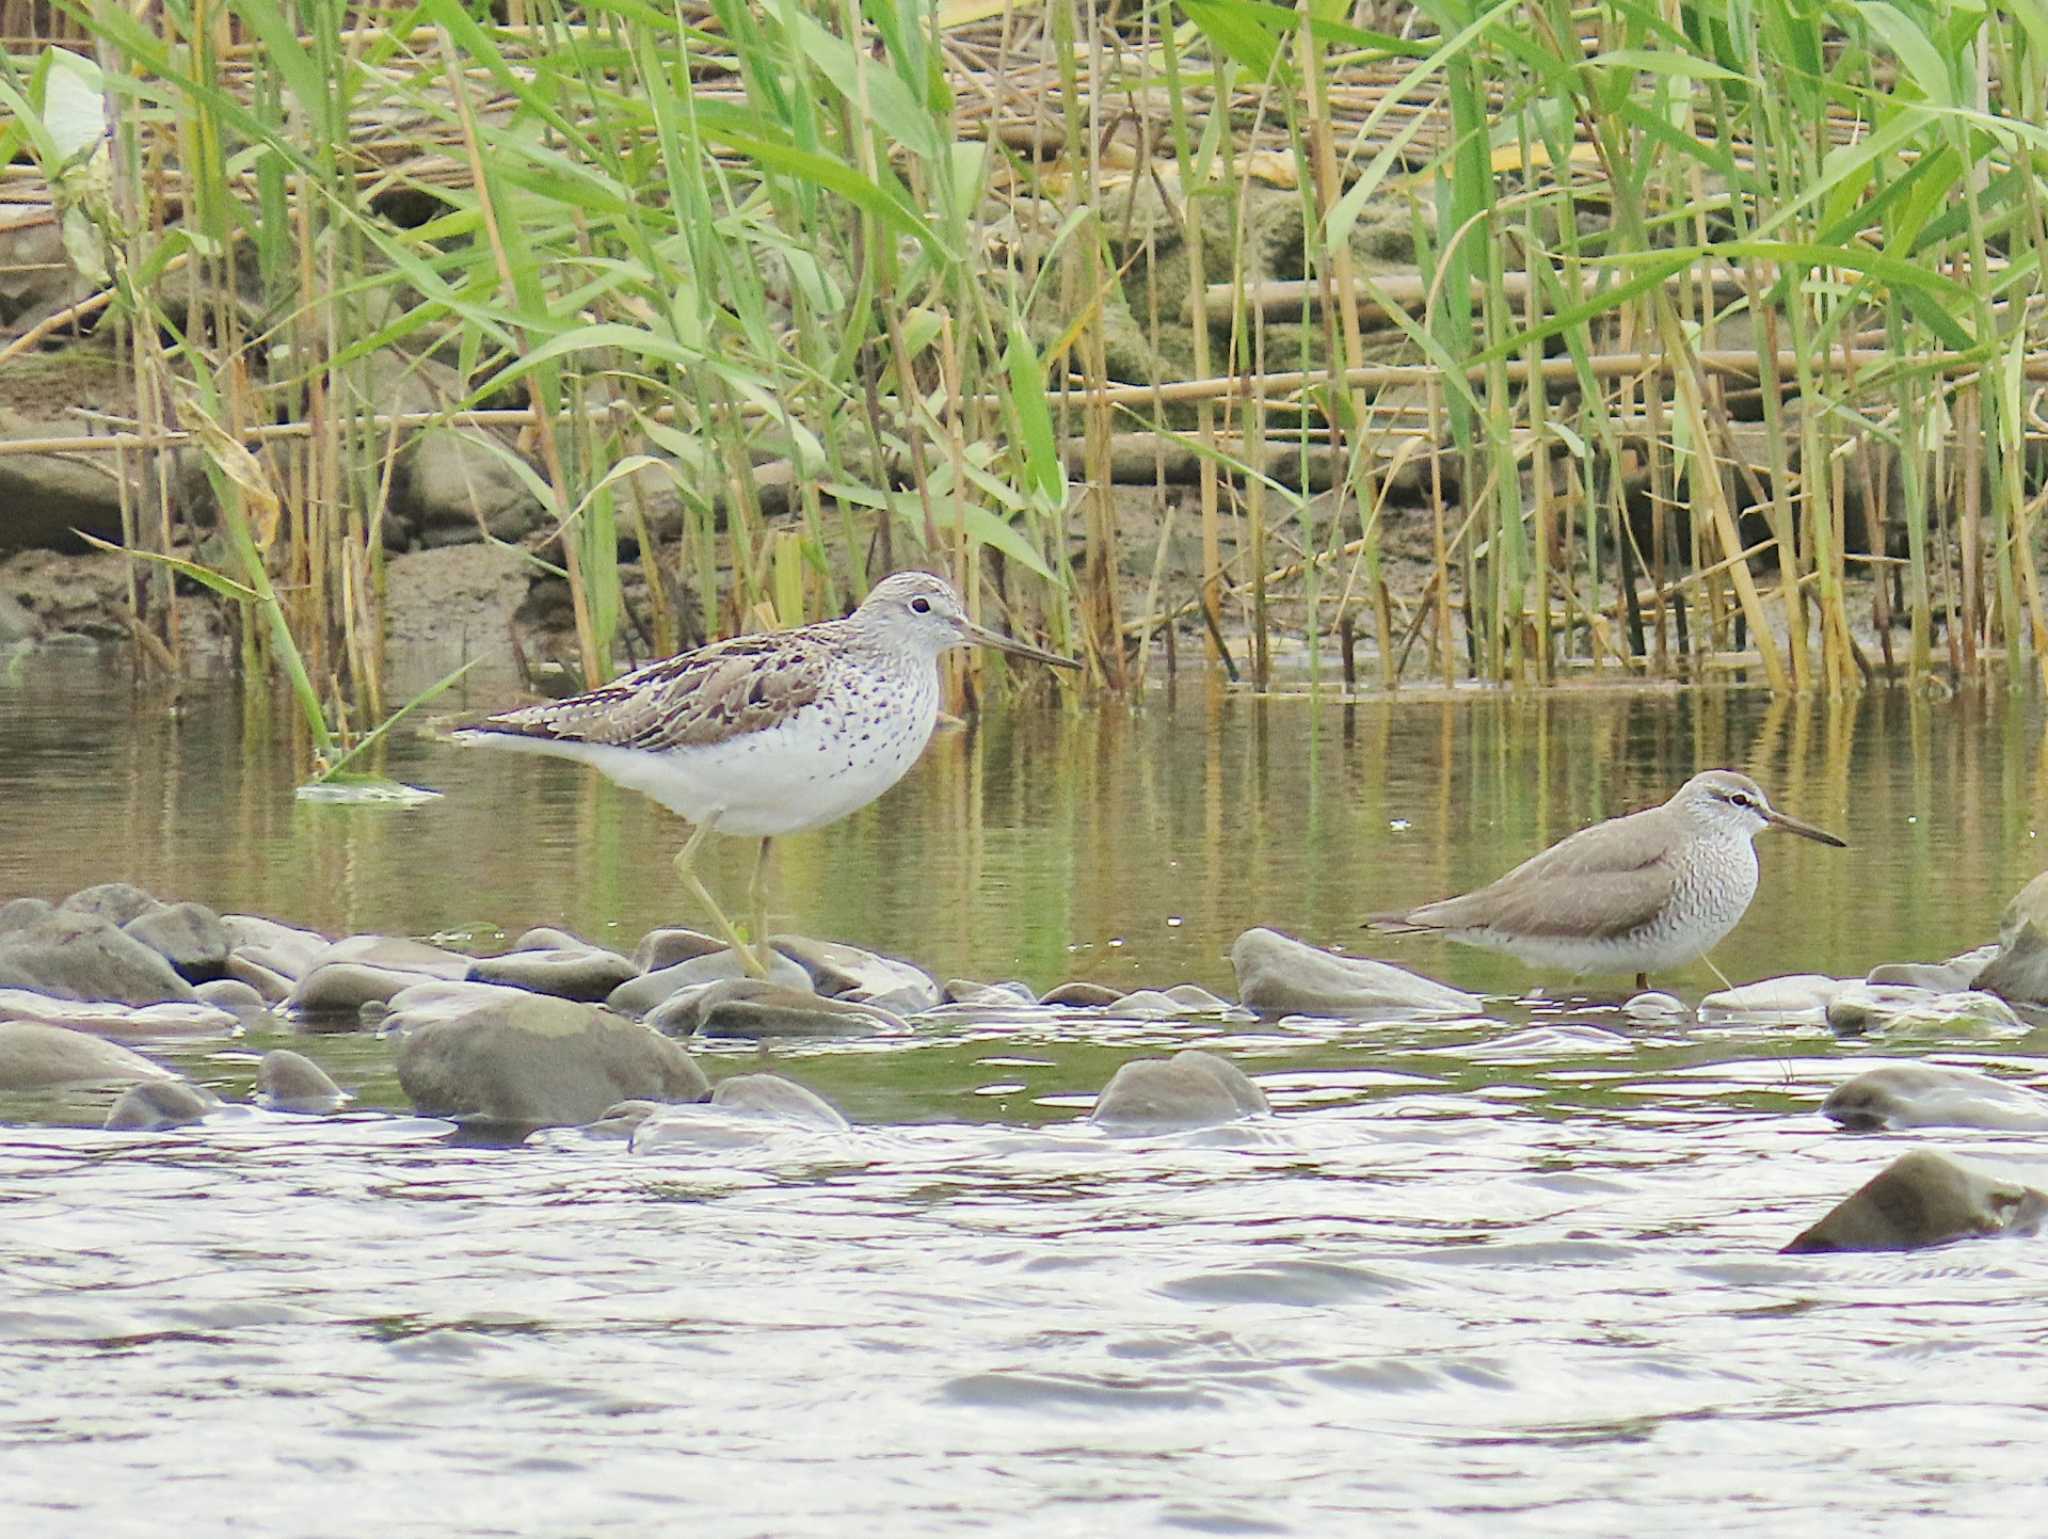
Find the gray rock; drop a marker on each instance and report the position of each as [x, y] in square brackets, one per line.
[642, 994]
[132, 1023]
[770, 1095]
[994, 996]
[1924, 1198]
[115, 902]
[76, 955]
[19, 913]
[458, 479]
[755, 1007]
[619, 1121]
[1182, 999]
[189, 936]
[284, 948]
[1082, 996]
[547, 938]
[660, 949]
[231, 995]
[396, 954]
[541, 1062]
[847, 972]
[2029, 906]
[269, 985]
[1192, 1089]
[158, 1104]
[343, 988]
[581, 972]
[436, 999]
[1918, 1095]
[1654, 1005]
[1897, 1012]
[1279, 975]
[2019, 972]
[34, 1056]
[292, 1082]
[1949, 977]
[1793, 997]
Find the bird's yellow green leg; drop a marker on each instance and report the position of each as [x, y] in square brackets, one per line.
[685, 861]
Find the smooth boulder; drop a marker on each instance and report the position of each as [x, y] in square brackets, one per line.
[672, 944]
[578, 972]
[1192, 1089]
[289, 949]
[115, 902]
[156, 1105]
[1279, 975]
[1900, 1011]
[2019, 971]
[1921, 1199]
[1789, 998]
[78, 955]
[1919, 1095]
[640, 995]
[757, 1008]
[38, 1057]
[1082, 995]
[770, 1095]
[540, 1062]
[291, 1082]
[847, 972]
[189, 936]
[124, 1023]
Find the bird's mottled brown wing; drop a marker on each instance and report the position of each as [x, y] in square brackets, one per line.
[718, 692]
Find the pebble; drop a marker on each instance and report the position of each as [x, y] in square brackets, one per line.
[291, 1082]
[1082, 996]
[994, 996]
[1192, 1089]
[160, 1104]
[574, 972]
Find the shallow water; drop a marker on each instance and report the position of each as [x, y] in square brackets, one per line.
[1516, 1272]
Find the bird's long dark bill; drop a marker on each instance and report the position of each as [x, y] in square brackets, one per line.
[988, 638]
[1804, 830]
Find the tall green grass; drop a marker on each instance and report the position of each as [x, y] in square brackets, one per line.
[1719, 311]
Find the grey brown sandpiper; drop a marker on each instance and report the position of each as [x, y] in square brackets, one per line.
[1649, 891]
[770, 734]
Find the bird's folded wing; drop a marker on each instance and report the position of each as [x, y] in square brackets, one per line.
[1556, 906]
[711, 695]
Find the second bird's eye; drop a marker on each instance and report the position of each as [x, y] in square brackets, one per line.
[922, 606]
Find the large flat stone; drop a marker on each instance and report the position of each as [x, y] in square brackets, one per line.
[72, 955]
[1279, 975]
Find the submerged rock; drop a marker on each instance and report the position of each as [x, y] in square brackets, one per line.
[1896, 1011]
[847, 972]
[547, 938]
[770, 1095]
[663, 948]
[269, 985]
[126, 1023]
[578, 972]
[989, 996]
[1654, 1005]
[540, 1062]
[1081, 995]
[643, 993]
[1920, 1199]
[755, 1007]
[158, 1104]
[1192, 1089]
[75, 955]
[1279, 975]
[395, 954]
[291, 1082]
[619, 1121]
[189, 936]
[1792, 997]
[34, 1056]
[115, 902]
[1918, 1095]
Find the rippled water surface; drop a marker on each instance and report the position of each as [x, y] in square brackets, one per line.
[1504, 1274]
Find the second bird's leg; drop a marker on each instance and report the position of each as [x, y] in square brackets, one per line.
[757, 898]
[685, 861]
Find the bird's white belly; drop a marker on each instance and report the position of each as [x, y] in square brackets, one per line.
[801, 774]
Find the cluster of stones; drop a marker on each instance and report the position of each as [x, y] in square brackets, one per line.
[557, 1032]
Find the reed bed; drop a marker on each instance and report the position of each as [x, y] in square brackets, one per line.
[1507, 341]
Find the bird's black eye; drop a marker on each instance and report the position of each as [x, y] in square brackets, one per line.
[922, 606]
